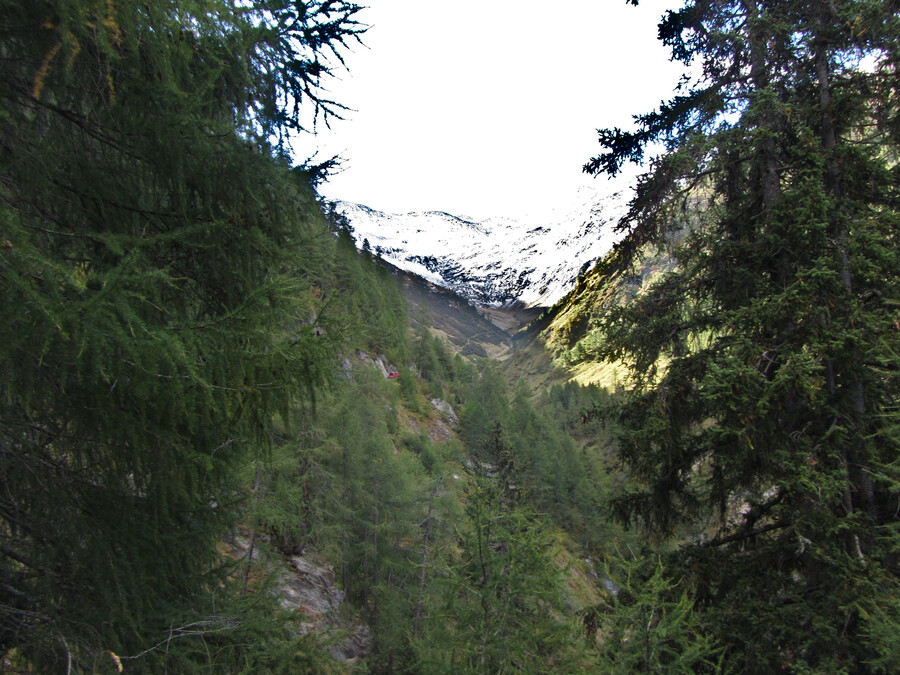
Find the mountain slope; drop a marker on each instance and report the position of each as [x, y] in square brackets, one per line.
[499, 262]
[468, 330]
[560, 344]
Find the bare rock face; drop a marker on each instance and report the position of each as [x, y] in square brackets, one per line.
[446, 410]
[308, 587]
[388, 370]
[305, 584]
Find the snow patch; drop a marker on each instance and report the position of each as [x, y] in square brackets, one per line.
[499, 261]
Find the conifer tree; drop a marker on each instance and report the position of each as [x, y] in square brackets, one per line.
[505, 582]
[759, 416]
[157, 280]
[650, 626]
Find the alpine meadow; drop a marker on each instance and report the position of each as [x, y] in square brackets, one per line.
[235, 438]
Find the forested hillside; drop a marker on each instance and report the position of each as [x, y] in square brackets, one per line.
[189, 385]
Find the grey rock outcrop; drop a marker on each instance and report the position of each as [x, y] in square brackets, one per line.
[308, 588]
[446, 410]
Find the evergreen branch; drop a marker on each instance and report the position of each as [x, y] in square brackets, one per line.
[746, 534]
[22, 560]
[13, 591]
[79, 121]
[57, 233]
[190, 630]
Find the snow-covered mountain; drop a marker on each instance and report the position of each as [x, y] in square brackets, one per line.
[499, 261]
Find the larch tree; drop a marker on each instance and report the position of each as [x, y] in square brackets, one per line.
[504, 586]
[760, 417]
[157, 276]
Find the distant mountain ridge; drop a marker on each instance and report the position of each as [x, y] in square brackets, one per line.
[497, 262]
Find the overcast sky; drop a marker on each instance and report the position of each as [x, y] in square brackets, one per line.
[489, 107]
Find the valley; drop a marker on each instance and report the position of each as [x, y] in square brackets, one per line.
[472, 331]
[492, 279]
[248, 429]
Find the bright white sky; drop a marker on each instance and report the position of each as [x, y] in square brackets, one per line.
[489, 107]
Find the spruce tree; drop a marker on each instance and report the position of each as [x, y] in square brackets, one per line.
[157, 281]
[759, 420]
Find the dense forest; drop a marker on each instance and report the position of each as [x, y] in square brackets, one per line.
[203, 381]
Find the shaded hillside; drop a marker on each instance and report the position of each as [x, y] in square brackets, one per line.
[541, 346]
[469, 330]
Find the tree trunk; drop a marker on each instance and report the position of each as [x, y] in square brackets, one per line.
[767, 153]
[422, 574]
[859, 474]
[252, 546]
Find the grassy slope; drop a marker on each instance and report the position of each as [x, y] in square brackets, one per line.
[562, 341]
